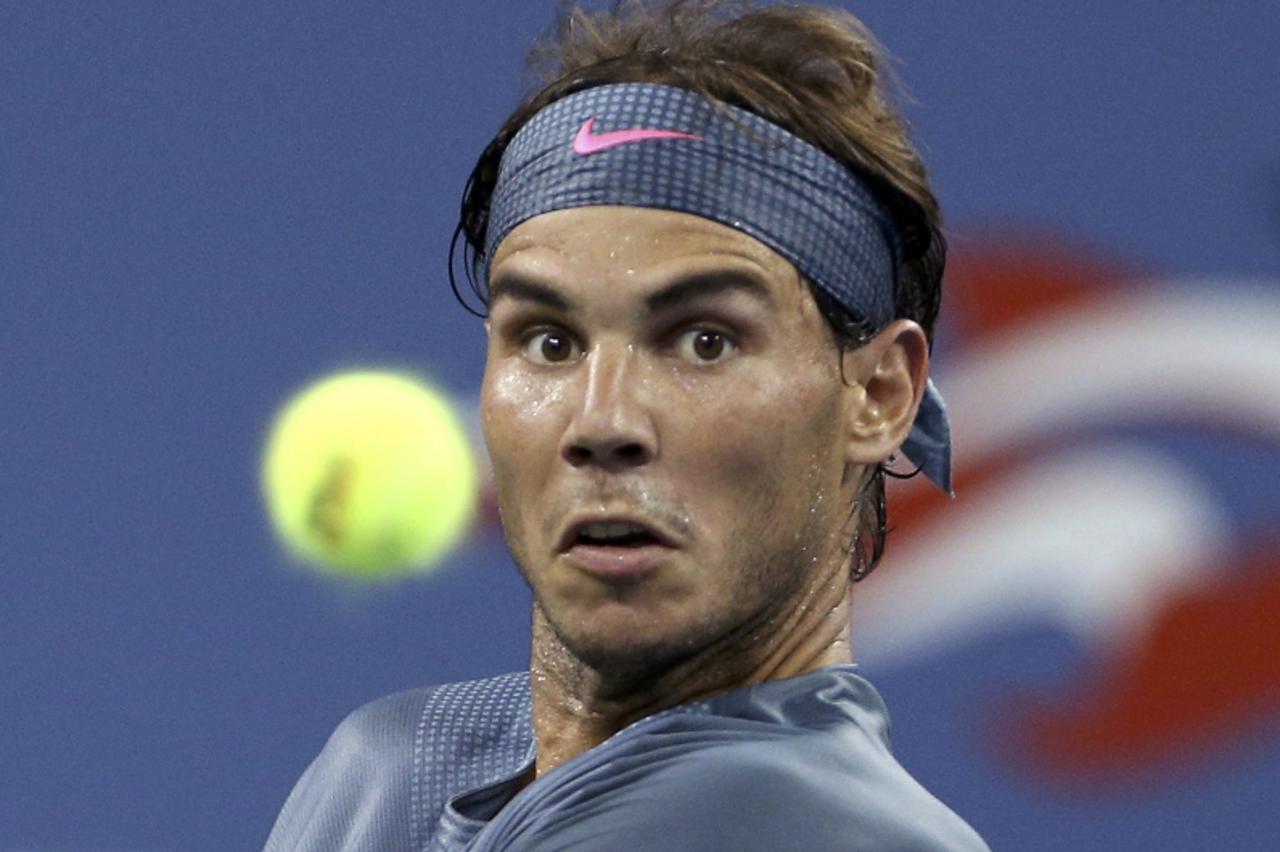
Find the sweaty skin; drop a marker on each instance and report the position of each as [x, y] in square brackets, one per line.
[719, 416]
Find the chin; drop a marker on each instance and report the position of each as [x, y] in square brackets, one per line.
[635, 659]
[611, 642]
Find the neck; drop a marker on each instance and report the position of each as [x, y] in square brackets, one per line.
[577, 706]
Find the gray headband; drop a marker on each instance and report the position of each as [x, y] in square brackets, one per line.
[644, 145]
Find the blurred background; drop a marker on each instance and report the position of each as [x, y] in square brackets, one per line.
[205, 206]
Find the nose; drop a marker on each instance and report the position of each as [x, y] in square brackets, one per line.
[611, 427]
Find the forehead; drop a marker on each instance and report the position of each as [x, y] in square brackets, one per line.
[626, 241]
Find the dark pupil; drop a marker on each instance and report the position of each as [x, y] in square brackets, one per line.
[554, 347]
[708, 345]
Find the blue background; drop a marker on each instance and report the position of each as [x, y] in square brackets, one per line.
[205, 206]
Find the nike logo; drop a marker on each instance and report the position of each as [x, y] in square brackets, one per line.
[589, 142]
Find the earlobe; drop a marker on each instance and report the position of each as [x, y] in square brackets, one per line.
[888, 377]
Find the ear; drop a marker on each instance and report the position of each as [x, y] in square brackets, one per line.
[886, 379]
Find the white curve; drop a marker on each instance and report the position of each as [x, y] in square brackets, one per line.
[1094, 539]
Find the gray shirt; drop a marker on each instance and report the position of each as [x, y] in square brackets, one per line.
[802, 763]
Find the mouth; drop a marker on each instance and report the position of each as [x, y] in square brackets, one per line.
[612, 532]
[618, 550]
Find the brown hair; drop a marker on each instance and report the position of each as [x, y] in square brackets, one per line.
[814, 70]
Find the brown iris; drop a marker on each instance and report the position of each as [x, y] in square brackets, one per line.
[555, 347]
[708, 345]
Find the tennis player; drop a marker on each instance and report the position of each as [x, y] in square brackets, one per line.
[710, 263]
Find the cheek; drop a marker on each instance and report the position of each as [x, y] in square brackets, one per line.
[516, 409]
[510, 396]
[518, 417]
[761, 447]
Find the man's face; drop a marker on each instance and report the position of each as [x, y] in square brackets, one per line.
[664, 368]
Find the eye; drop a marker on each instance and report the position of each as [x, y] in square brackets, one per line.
[706, 345]
[550, 347]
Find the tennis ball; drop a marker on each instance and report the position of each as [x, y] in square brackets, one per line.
[369, 475]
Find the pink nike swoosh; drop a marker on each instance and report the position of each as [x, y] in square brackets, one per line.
[589, 142]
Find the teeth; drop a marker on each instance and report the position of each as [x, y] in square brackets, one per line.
[613, 530]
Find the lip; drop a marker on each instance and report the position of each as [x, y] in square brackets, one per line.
[619, 565]
[568, 538]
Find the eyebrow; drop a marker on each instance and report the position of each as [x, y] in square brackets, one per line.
[691, 288]
[510, 287]
[704, 285]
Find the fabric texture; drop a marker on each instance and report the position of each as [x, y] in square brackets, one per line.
[802, 763]
[647, 145]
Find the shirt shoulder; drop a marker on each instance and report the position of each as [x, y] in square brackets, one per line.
[804, 793]
[382, 777]
[815, 794]
[801, 765]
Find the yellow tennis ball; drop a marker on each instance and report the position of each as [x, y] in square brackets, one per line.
[370, 475]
